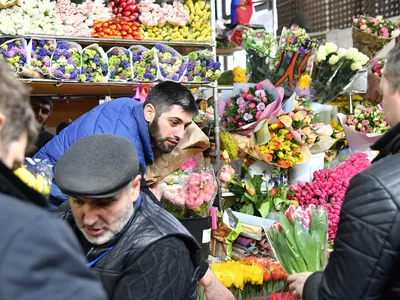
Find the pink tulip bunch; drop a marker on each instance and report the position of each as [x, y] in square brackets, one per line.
[200, 191]
[329, 187]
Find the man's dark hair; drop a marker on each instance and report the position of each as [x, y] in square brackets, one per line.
[62, 125]
[166, 94]
[43, 100]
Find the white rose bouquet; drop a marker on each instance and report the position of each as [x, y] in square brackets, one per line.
[334, 69]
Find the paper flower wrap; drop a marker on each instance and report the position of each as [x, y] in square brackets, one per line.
[94, 64]
[15, 53]
[119, 64]
[66, 61]
[144, 64]
[171, 64]
[41, 52]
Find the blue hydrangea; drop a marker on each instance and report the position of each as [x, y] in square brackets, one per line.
[96, 59]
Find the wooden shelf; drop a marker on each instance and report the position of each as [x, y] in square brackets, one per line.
[48, 87]
[227, 51]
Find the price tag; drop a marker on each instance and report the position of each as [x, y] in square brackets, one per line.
[206, 236]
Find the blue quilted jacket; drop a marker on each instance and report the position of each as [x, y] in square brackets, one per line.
[122, 117]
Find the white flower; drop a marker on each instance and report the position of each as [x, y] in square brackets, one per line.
[379, 18]
[342, 52]
[321, 54]
[333, 60]
[330, 48]
[396, 33]
[361, 58]
[351, 53]
[356, 66]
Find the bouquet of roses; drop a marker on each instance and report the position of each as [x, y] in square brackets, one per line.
[200, 190]
[119, 64]
[251, 105]
[377, 66]
[94, 65]
[334, 70]
[41, 52]
[370, 34]
[171, 64]
[66, 61]
[202, 67]
[15, 53]
[369, 120]
[281, 148]
[144, 62]
[299, 239]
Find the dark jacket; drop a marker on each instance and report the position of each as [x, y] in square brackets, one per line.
[123, 117]
[154, 257]
[43, 138]
[365, 263]
[39, 255]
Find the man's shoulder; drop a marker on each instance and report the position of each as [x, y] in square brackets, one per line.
[386, 169]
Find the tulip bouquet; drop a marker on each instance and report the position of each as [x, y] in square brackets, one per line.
[126, 10]
[368, 120]
[370, 34]
[119, 64]
[66, 61]
[377, 66]
[171, 64]
[251, 278]
[300, 239]
[247, 107]
[334, 70]
[94, 67]
[328, 188]
[15, 53]
[144, 62]
[41, 52]
[202, 67]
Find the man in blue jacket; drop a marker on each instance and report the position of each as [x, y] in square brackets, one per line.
[154, 128]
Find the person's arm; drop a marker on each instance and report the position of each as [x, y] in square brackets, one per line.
[163, 271]
[366, 246]
[45, 261]
[213, 288]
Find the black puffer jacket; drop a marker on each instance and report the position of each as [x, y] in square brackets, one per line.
[365, 263]
[154, 257]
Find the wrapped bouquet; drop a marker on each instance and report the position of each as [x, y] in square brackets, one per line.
[94, 64]
[66, 61]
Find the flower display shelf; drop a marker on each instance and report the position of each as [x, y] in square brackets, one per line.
[115, 89]
[108, 42]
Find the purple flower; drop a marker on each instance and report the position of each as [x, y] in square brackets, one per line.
[240, 101]
[247, 117]
[261, 106]
[135, 57]
[113, 73]
[88, 77]
[104, 69]
[96, 59]
[58, 74]
[125, 64]
[148, 75]
[115, 52]
[42, 43]
[42, 52]
[159, 47]
[74, 74]
[126, 52]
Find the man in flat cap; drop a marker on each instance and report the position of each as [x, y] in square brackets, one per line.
[138, 250]
[154, 128]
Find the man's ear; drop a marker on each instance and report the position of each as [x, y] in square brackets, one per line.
[149, 112]
[135, 188]
[2, 121]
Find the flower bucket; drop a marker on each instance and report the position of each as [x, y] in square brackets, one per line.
[305, 172]
[200, 229]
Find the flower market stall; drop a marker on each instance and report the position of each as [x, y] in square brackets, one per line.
[261, 175]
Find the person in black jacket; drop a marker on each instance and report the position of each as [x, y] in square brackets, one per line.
[138, 250]
[365, 262]
[40, 256]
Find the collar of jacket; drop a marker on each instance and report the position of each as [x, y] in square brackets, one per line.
[388, 144]
[11, 185]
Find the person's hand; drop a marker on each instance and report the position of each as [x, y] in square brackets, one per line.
[214, 289]
[297, 282]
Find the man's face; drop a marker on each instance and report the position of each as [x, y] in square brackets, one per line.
[390, 102]
[13, 157]
[100, 220]
[42, 111]
[169, 128]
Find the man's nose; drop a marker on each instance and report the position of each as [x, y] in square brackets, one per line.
[180, 132]
[90, 217]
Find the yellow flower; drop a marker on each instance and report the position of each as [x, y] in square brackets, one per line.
[307, 130]
[285, 119]
[281, 155]
[283, 131]
[307, 119]
[296, 104]
[299, 116]
[294, 202]
[273, 126]
[304, 81]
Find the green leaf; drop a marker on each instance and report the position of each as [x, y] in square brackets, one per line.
[277, 201]
[261, 133]
[247, 209]
[318, 229]
[264, 209]
[305, 244]
[251, 198]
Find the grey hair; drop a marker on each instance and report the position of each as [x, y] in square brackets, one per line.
[15, 106]
[392, 68]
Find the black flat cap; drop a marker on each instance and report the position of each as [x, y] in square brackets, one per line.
[97, 166]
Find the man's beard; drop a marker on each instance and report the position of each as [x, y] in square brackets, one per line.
[112, 230]
[159, 142]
